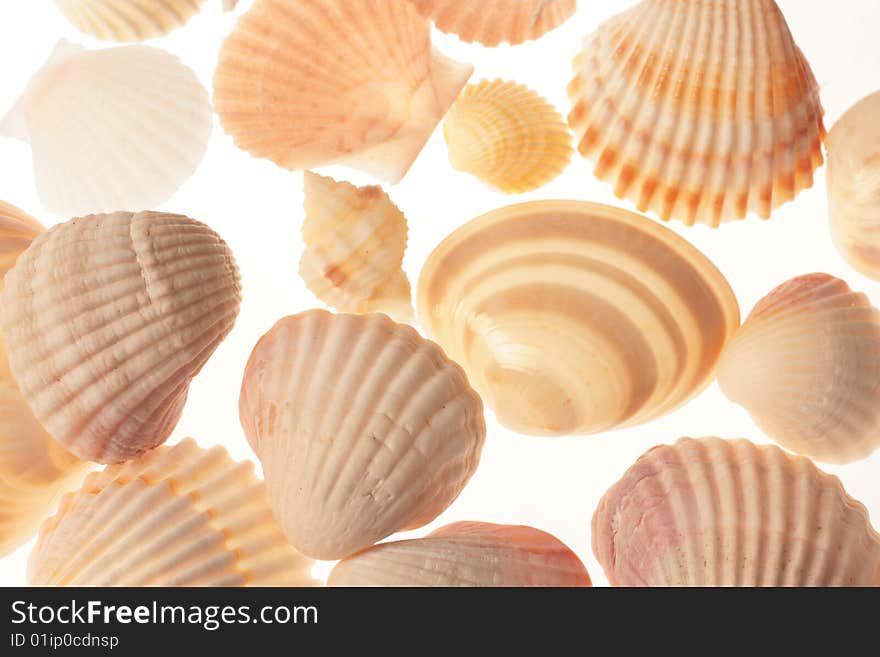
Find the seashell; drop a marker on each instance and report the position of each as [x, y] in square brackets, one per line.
[364, 428]
[854, 185]
[107, 319]
[698, 110]
[466, 554]
[124, 20]
[178, 516]
[104, 108]
[806, 365]
[229, 5]
[306, 84]
[508, 136]
[714, 512]
[492, 22]
[576, 318]
[355, 239]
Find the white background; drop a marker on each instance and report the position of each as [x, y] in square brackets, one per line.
[551, 483]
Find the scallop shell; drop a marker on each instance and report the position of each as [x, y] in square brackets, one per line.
[508, 136]
[355, 239]
[178, 516]
[698, 110]
[466, 554]
[806, 365]
[714, 512]
[363, 427]
[306, 84]
[128, 20]
[108, 318]
[492, 22]
[114, 128]
[573, 317]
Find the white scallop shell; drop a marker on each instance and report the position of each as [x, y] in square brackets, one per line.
[128, 20]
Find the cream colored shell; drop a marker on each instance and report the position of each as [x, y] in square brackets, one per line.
[128, 20]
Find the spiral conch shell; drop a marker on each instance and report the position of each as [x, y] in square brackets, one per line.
[806, 365]
[714, 512]
[466, 554]
[698, 110]
[507, 136]
[124, 20]
[363, 427]
[355, 240]
[573, 317]
[107, 319]
[177, 516]
[333, 81]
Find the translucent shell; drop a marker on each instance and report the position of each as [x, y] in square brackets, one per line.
[507, 136]
[128, 20]
[107, 319]
[573, 317]
[306, 84]
[363, 427]
[806, 365]
[178, 516]
[698, 110]
[466, 554]
[714, 512]
[355, 239]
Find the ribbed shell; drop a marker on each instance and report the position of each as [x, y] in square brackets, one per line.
[698, 110]
[508, 136]
[355, 239]
[714, 512]
[113, 128]
[306, 84]
[573, 317]
[363, 427]
[466, 554]
[806, 365]
[128, 20]
[178, 516]
[107, 319]
[492, 22]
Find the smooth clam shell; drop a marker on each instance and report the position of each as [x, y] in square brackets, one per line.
[178, 516]
[355, 239]
[573, 317]
[128, 20]
[107, 319]
[698, 110]
[466, 554]
[508, 136]
[714, 512]
[363, 428]
[306, 84]
[806, 365]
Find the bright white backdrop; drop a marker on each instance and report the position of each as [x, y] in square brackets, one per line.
[551, 483]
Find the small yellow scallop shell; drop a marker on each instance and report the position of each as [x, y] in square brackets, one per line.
[128, 20]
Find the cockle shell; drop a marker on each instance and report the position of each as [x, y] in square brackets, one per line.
[107, 319]
[177, 516]
[507, 136]
[114, 128]
[333, 81]
[714, 512]
[698, 110]
[573, 317]
[355, 238]
[364, 428]
[806, 365]
[128, 20]
[466, 554]
[492, 22]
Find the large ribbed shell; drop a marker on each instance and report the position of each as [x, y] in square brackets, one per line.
[806, 365]
[466, 554]
[333, 81]
[128, 20]
[508, 136]
[178, 516]
[355, 239]
[363, 427]
[114, 128]
[698, 110]
[573, 317]
[714, 512]
[107, 319]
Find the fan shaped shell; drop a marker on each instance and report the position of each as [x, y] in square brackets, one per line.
[128, 20]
